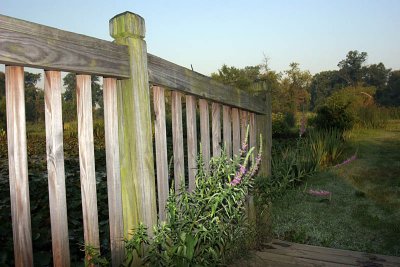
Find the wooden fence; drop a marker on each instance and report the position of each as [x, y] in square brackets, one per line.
[128, 72]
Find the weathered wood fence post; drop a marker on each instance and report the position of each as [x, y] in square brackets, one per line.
[134, 122]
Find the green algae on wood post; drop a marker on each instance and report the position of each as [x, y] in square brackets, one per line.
[135, 133]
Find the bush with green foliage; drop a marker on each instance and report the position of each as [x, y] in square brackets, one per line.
[351, 107]
[334, 117]
[205, 227]
[282, 124]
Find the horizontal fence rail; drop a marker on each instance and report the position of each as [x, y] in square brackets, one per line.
[33, 45]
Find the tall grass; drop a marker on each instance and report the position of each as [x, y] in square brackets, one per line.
[292, 163]
[375, 117]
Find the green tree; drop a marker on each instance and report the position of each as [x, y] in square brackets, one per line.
[34, 98]
[69, 96]
[390, 95]
[296, 86]
[376, 75]
[351, 68]
[240, 78]
[323, 84]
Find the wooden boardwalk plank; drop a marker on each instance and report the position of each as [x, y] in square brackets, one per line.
[331, 253]
[282, 253]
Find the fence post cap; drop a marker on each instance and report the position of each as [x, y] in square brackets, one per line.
[127, 24]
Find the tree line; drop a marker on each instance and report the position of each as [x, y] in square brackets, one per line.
[34, 98]
[292, 90]
[296, 90]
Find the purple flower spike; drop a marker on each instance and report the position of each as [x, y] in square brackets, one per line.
[239, 175]
[319, 192]
[347, 161]
[256, 165]
[244, 148]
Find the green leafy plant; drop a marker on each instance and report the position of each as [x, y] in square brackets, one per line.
[93, 257]
[205, 227]
[334, 117]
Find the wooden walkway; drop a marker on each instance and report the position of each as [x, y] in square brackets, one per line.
[281, 253]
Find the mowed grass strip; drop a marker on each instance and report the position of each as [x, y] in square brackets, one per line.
[363, 213]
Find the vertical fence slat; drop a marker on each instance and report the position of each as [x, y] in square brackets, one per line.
[264, 127]
[252, 143]
[191, 139]
[18, 166]
[252, 132]
[177, 139]
[86, 160]
[235, 131]
[243, 125]
[113, 171]
[227, 130]
[216, 129]
[55, 168]
[161, 150]
[205, 132]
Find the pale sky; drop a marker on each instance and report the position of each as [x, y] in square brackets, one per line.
[208, 33]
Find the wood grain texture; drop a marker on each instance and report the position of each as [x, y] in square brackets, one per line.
[175, 77]
[227, 130]
[137, 166]
[191, 125]
[18, 166]
[34, 45]
[117, 244]
[252, 132]
[243, 125]
[161, 150]
[216, 128]
[205, 132]
[282, 253]
[177, 139]
[55, 168]
[235, 131]
[264, 127]
[251, 207]
[86, 160]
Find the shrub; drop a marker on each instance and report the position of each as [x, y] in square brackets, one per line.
[290, 119]
[334, 117]
[205, 227]
[280, 127]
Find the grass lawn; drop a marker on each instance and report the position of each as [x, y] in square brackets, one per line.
[364, 210]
